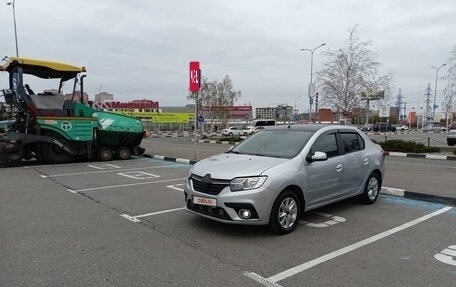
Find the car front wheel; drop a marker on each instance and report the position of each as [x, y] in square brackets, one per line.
[285, 213]
[371, 189]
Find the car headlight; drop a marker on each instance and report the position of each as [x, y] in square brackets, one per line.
[246, 183]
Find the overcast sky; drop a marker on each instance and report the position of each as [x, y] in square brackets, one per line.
[142, 49]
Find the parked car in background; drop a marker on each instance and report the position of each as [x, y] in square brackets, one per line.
[275, 175]
[232, 131]
[264, 122]
[367, 128]
[451, 137]
[257, 129]
[249, 130]
[434, 128]
[402, 128]
[383, 127]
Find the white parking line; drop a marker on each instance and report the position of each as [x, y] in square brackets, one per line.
[159, 212]
[271, 281]
[176, 187]
[135, 218]
[130, 184]
[110, 171]
[333, 220]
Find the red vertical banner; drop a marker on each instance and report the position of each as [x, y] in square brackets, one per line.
[194, 76]
[412, 118]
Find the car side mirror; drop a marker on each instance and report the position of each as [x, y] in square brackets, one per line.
[317, 156]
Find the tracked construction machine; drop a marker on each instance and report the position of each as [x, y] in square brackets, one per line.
[52, 129]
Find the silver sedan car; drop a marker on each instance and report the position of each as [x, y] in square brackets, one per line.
[275, 175]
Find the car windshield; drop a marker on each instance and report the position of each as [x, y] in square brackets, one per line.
[274, 143]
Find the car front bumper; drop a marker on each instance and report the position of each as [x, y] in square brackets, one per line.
[229, 204]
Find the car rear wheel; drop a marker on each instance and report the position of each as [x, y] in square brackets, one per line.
[371, 189]
[285, 213]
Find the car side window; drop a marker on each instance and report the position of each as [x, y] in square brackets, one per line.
[352, 142]
[328, 144]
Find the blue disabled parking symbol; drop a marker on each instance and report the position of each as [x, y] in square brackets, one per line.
[200, 119]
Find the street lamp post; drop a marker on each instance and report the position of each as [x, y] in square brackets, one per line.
[15, 29]
[295, 110]
[311, 78]
[435, 90]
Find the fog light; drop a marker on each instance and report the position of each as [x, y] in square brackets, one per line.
[244, 213]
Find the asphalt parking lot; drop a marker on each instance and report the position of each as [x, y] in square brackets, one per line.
[123, 223]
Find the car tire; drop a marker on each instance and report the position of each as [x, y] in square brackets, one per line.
[371, 189]
[230, 134]
[285, 213]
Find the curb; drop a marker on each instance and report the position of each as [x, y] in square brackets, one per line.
[167, 158]
[417, 155]
[398, 192]
[216, 142]
[390, 153]
[391, 191]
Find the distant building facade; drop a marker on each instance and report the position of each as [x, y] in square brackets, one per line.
[284, 113]
[266, 113]
[77, 97]
[281, 113]
[103, 96]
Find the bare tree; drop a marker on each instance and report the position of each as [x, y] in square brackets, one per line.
[215, 97]
[348, 72]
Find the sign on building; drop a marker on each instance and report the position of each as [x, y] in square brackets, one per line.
[384, 111]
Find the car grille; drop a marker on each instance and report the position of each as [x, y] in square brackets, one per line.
[208, 185]
[216, 212]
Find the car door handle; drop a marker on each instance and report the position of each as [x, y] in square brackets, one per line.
[366, 161]
[339, 167]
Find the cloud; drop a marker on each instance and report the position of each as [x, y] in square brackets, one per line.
[141, 49]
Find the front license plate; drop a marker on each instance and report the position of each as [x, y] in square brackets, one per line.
[205, 201]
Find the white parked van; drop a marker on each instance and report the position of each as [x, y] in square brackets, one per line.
[263, 123]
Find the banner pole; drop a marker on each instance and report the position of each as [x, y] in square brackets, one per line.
[195, 121]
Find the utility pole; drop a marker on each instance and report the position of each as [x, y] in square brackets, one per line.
[428, 104]
[401, 107]
[13, 4]
[435, 90]
[311, 89]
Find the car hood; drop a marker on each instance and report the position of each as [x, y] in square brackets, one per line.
[230, 165]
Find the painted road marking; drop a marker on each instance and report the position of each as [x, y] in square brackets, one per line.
[138, 174]
[135, 218]
[109, 171]
[300, 268]
[334, 220]
[447, 255]
[176, 187]
[104, 166]
[127, 185]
